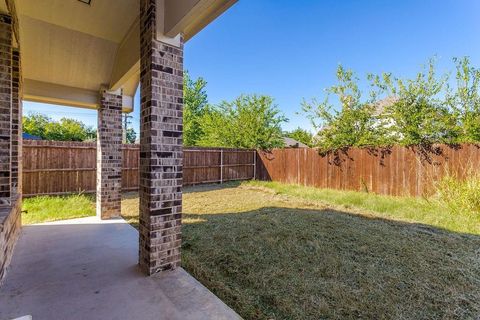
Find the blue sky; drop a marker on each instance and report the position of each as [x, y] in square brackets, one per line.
[289, 49]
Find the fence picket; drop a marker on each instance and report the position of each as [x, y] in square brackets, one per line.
[395, 171]
[54, 167]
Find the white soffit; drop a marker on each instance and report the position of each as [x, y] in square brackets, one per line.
[74, 45]
[57, 55]
[105, 19]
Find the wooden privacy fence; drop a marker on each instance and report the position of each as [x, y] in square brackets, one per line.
[54, 167]
[51, 167]
[394, 171]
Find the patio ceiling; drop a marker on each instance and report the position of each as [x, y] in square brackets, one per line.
[71, 50]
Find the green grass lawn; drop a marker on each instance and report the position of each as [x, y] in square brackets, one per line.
[272, 251]
[421, 210]
[52, 208]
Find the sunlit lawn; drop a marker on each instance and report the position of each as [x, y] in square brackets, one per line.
[272, 251]
[52, 208]
[421, 210]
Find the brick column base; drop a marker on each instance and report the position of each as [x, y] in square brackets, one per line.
[161, 151]
[109, 156]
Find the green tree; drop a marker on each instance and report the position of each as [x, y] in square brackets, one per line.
[195, 104]
[35, 124]
[301, 135]
[250, 121]
[352, 125]
[131, 135]
[421, 111]
[465, 100]
[419, 115]
[64, 130]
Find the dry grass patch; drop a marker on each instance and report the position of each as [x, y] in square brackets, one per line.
[276, 256]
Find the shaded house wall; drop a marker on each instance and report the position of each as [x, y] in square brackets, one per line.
[10, 140]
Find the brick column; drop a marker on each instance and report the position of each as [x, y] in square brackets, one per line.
[161, 153]
[109, 156]
[5, 110]
[16, 124]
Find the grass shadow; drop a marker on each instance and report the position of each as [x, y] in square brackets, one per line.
[211, 187]
[192, 189]
[287, 263]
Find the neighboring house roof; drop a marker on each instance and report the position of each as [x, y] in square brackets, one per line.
[380, 105]
[316, 137]
[292, 143]
[27, 136]
[379, 110]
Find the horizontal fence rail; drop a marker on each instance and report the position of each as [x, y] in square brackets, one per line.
[55, 167]
[389, 171]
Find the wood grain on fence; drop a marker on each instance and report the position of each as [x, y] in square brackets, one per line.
[65, 167]
[53, 167]
[393, 171]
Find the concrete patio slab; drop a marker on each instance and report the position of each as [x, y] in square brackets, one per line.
[87, 269]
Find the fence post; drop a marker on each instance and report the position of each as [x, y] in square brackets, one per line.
[254, 164]
[221, 166]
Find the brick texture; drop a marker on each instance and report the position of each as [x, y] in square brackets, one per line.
[16, 125]
[109, 156]
[5, 109]
[10, 226]
[161, 152]
[10, 139]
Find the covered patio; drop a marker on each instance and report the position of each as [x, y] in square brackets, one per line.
[87, 269]
[94, 54]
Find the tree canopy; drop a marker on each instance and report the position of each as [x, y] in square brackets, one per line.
[195, 106]
[425, 109]
[422, 110]
[250, 121]
[64, 130]
[352, 124]
[130, 135]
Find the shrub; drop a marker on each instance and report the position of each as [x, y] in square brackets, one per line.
[461, 196]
